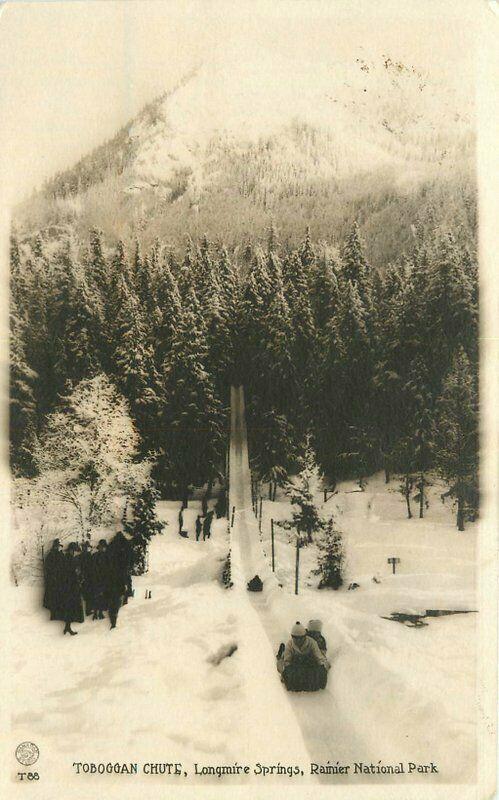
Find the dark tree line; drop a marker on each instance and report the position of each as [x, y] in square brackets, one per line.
[380, 367]
[377, 369]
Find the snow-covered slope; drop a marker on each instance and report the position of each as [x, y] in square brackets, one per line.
[352, 117]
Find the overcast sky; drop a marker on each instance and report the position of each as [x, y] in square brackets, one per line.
[72, 73]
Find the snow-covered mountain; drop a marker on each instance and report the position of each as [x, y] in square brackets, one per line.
[239, 141]
[353, 118]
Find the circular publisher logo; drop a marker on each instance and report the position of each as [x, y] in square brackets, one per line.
[27, 753]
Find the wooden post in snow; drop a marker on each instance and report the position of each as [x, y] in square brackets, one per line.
[393, 561]
[232, 516]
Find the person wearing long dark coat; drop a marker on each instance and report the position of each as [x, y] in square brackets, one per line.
[53, 570]
[99, 568]
[72, 603]
[120, 553]
[115, 586]
[87, 577]
[115, 576]
[207, 525]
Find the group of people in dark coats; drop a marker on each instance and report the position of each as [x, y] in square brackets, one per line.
[203, 525]
[82, 582]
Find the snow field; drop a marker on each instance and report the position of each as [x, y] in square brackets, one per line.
[147, 688]
[408, 691]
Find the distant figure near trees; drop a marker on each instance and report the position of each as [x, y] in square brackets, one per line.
[207, 522]
[199, 527]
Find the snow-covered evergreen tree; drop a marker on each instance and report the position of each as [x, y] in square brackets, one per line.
[307, 254]
[419, 420]
[305, 360]
[230, 322]
[355, 268]
[134, 366]
[143, 526]
[254, 303]
[306, 519]
[451, 312]
[455, 436]
[324, 292]
[39, 339]
[78, 347]
[169, 308]
[275, 446]
[345, 389]
[96, 266]
[87, 455]
[192, 422]
[275, 366]
[22, 404]
[331, 557]
[187, 269]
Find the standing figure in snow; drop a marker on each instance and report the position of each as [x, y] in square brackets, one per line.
[53, 573]
[86, 577]
[72, 604]
[207, 525]
[199, 527]
[120, 549]
[116, 575]
[181, 520]
[314, 630]
[304, 666]
[221, 505]
[99, 579]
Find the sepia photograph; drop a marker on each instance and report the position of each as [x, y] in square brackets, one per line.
[249, 534]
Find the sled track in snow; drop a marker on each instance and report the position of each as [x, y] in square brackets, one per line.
[326, 732]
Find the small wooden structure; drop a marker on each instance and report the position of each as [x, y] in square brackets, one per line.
[393, 560]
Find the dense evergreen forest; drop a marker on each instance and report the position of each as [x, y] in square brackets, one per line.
[371, 368]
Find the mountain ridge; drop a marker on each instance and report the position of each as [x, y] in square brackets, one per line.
[230, 147]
